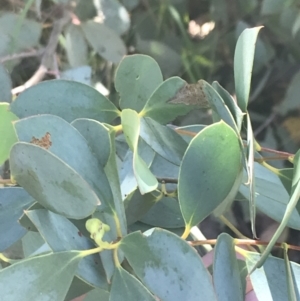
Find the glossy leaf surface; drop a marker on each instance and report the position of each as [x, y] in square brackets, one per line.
[212, 154]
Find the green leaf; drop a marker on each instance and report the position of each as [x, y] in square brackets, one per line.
[104, 41]
[231, 104]
[61, 235]
[97, 294]
[270, 7]
[24, 35]
[33, 244]
[7, 132]
[158, 106]
[126, 287]
[69, 100]
[226, 272]
[292, 293]
[5, 85]
[136, 79]
[131, 128]
[93, 132]
[46, 277]
[51, 182]
[26, 222]
[243, 63]
[290, 102]
[69, 145]
[169, 267]
[209, 169]
[76, 46]
[164, 214]
[115, 15]
[136, 205]
[269, 282]
[217, 104]
[81, 74]
[13, 200]
[167, 58]
[294, 198]
[163, 140]
[271, 193]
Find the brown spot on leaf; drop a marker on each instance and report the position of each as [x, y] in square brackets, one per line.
[191, 94]
[44, 142]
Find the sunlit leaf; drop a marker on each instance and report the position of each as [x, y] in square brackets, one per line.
[212, 154]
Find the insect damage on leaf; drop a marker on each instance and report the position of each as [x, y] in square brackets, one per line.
[44, 142]
[191, 94]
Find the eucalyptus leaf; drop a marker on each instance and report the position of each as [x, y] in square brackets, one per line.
[5, 85]
[243, 63]
[67, 99]
[127, 287]
[76, 46]
[169, 267]
[226, 272]
[163, 140]
[212, 153]
[13, 200]
[61, 235]
[131, 127]
[64, 141]
[136, 79]
[7, 133]
[39, 278]
[159, 106]
[51, 182]
[104, 41]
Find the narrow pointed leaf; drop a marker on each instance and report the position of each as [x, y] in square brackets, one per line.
[51, 182]
[131, 127]
[226, 272]
[212, 154]
[7, 133]
[170, 268]
[243, 63]
[294, 198]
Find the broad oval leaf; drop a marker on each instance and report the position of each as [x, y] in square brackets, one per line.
[169, 267]
[67, 99]
[131, 128]
[127, 287]
[209, 169]
[7, 133]
[226, 272]
[104, 41]
[243, 63]
[51, 182]
[43, 278]
[64, 141]
[136, 79]
[13, 200]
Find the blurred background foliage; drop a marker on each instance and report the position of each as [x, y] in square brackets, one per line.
[84, 40]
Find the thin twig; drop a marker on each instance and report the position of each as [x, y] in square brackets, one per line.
[22, 55]
[47, 57]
